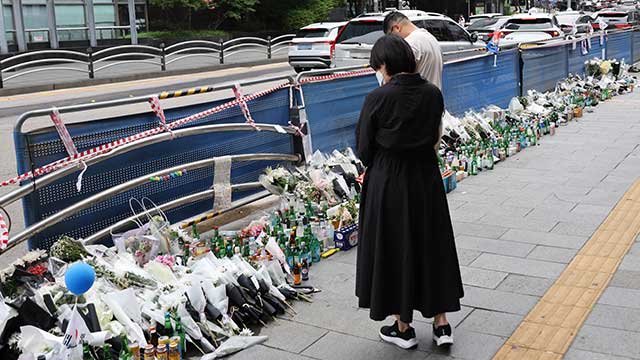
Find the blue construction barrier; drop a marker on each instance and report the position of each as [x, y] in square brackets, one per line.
[333, 108]
[42, 147]
[475, 83]
[636, 46]
[619, 46]
[577, 57]
[543, 67]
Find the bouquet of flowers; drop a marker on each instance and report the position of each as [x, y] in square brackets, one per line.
[278, 181]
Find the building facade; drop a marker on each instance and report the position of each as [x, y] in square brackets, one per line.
[71, 19]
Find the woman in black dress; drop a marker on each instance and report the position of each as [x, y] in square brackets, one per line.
[406, 253]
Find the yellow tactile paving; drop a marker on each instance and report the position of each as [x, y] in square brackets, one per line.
[550, 327]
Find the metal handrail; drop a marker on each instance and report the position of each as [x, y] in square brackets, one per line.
[199, 196]
[127, 62]
[47, 179]
[311, 73]
[168, 48]
[116, 56]
[278, 38]
[98, 53]
[247, 38]
[44, 224]
[45, 69]
[132, 100]
[40, 52]
[192, 55]
[33, 62]
[244, 51]
[195, 48]
[249, 45]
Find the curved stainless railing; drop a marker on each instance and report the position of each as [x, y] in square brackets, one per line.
[199, 196]
[47, 179]
[43, 224]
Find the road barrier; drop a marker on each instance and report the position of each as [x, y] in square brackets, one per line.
[323, 105]
[93, 62]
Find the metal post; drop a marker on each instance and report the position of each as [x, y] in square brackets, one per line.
[132, 22]
[221, 51]
[1, 85]
[91, 72]
[4, 48]
[163, 58]
[53, 27]
[268, 47]
[19, 25]
[91, 22]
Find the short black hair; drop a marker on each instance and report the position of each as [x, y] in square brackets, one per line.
[391, 19]
[394, 53]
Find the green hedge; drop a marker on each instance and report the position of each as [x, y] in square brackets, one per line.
[183, 34]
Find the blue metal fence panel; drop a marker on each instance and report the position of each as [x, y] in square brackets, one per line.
[594, 47]
[44, 147]
[476, 83]
[543, 67]
[619, 46]
[333, 108]
[636, 46]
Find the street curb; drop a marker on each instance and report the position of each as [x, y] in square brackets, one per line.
[133, 77]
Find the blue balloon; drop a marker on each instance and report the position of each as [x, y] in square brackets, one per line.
[79, 278]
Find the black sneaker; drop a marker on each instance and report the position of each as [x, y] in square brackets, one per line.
[442, 335]
[392, 334]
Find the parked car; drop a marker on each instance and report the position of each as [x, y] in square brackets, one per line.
[574, 22]
[475, 18]
[314, 46]
[525, 28]
[353, 46]
[486, 27]
[615, 19]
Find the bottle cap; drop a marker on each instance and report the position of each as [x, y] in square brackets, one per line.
[162, 348]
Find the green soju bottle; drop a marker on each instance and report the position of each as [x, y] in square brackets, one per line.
[490, 160]
[168, 329]
[473, 168]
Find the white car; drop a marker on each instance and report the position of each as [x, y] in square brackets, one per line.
[314, 45]
[474, 18]
[526, 28]
[574, 22]
[353, 46]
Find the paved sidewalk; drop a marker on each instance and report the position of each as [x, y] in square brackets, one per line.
[517, 227]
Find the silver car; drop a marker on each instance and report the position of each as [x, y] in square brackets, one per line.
[354, 44]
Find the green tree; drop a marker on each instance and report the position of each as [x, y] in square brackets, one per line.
[310, 11]
[219, 10]
[230, 10]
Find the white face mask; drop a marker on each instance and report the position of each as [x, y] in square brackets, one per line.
[380, 78]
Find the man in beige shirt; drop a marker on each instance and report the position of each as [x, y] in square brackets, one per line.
[425, 46]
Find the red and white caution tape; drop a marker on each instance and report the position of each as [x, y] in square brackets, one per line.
[343, 75]
[4, 233]
[237, 91]
[63, 132]
[157, 109]
[87, 154]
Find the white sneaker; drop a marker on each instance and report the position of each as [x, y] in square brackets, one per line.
[442, 335]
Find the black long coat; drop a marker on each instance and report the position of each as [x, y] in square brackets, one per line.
[406, 253]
